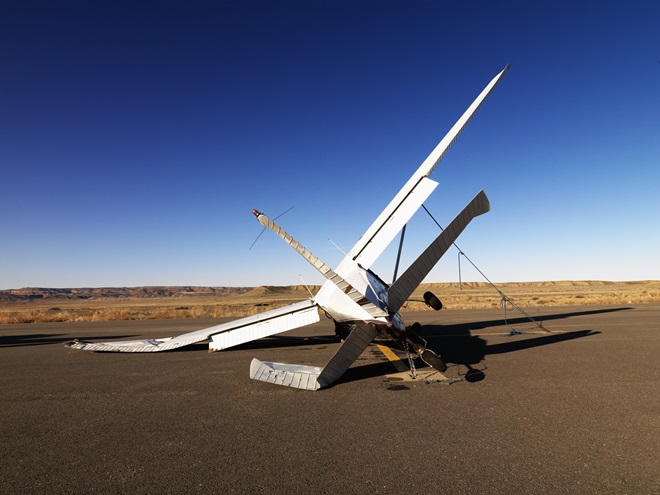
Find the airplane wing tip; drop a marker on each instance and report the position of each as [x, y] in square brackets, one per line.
[77, 344]
[485, 201]
[289, 375]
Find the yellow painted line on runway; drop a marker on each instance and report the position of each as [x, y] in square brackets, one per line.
[396, 361]
[403, 373]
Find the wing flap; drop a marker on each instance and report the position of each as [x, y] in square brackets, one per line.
[390, 223]
[260, 329]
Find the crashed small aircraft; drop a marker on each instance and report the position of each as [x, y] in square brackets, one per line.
[361, 304]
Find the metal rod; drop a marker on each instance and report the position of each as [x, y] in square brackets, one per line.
[398, 255]
[460, 281]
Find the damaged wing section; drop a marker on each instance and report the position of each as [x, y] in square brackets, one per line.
[376, 238]
[401, 290]
[313, 377]
[223, 336]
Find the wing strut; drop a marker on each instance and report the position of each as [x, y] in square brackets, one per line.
[398, 254]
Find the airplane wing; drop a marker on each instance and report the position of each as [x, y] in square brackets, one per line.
[222, 336]
[414, 192]
[404, 286]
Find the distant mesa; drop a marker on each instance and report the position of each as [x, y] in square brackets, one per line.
[274, 290]
[31, 293]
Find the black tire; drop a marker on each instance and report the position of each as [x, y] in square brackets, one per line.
[432, 301]
[434, 361]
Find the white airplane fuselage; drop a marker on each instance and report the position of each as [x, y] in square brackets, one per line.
[343, 309]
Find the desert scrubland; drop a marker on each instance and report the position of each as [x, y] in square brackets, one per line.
[34, 305]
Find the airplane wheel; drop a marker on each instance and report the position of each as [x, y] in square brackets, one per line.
[432, 301]
[433, 360]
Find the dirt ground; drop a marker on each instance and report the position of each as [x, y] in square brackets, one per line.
[469, 295]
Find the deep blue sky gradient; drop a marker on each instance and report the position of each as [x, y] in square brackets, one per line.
[137, 136]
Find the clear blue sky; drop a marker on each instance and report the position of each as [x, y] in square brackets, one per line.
[137, 136]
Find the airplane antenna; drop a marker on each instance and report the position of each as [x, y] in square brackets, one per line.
[306, 286]
[335, 245]
[262, 230]
[505, 299]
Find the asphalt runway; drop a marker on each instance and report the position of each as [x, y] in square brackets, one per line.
[571, 412]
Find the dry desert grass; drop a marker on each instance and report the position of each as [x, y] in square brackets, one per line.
[471, 295]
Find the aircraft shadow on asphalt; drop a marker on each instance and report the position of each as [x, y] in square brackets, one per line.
[457, 346]
[467, 351]
[479, 325]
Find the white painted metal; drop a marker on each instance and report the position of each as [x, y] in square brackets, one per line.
[378, 242]
[424, 170]
[258, 330]
[306, 309]
[289, 375]
[353, 268]
[358, 340]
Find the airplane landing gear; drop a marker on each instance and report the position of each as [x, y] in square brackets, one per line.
[418, 344]
[432, 301]
[433, 360]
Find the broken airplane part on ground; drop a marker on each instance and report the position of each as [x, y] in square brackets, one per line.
[359, 302]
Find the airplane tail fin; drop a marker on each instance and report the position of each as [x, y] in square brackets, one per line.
[404, 286]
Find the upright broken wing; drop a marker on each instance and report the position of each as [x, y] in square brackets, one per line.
[411, 196]
[222, 336]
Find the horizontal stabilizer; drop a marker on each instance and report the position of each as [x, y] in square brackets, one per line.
[401, 290]
[224, 335]
[311, 377]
